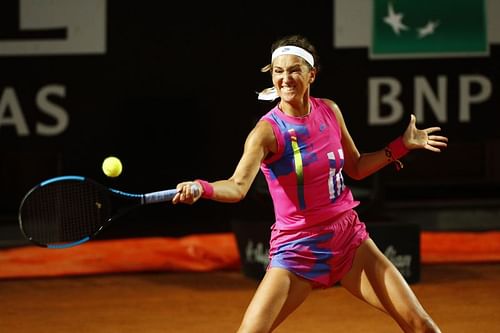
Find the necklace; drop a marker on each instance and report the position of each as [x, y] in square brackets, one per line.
[308, 112]
[303, 116]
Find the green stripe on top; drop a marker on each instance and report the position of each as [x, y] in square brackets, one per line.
[299, 168]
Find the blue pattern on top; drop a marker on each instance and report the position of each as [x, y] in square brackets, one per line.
[285, 166]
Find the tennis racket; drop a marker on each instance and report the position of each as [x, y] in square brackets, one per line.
[66, 211]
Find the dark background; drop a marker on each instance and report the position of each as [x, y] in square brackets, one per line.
[174, 97]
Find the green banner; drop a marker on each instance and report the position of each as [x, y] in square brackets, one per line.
[429, 28]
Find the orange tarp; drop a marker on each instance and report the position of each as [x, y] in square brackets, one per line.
[190, 253]
[460, 247]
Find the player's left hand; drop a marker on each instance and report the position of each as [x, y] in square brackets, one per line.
[415, 138]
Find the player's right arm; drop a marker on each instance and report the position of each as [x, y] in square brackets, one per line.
[258, 144]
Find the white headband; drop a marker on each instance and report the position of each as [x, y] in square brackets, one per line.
[293, 50]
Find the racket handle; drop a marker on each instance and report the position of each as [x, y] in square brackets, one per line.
[165, 195]
[160, 196]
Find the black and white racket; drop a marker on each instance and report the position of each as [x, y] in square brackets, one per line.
[66, 211]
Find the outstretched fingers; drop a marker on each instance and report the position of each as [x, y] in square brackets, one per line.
[436, 142]
[430, 130]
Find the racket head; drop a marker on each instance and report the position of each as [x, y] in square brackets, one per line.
[64, 211]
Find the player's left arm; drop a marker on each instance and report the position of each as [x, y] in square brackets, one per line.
[360, 165]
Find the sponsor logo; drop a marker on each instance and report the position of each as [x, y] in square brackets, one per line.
[401, 261]
[399, 29]
[428, 28]
[55, 27]
[257, 253]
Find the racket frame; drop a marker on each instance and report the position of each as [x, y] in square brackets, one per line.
[140, 199]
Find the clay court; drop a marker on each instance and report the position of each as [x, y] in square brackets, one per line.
[462, 298]
[148, 289]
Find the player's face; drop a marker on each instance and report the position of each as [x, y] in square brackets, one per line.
[291, 77]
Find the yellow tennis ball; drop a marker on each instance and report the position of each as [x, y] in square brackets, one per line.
[112, 166]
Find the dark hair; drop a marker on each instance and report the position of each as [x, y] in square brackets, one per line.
[295, 40]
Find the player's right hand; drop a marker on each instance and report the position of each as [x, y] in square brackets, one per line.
[187, 192]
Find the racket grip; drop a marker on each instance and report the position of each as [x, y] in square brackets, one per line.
[165, 195]
[160, 196]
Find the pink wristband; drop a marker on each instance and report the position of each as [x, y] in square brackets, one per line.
[208, 189]
[398, 148]
[395, 150]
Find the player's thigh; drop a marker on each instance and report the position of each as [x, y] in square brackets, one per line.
[278, 294]
[374, 279]
[299, 289]
[356, 280]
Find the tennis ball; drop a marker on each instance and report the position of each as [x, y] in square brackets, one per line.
[112, 166]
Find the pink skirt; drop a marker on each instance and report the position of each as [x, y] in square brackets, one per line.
[322, 254]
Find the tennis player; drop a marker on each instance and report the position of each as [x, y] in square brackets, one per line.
[303, 147]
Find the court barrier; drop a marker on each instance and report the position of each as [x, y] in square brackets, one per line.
[245, 250]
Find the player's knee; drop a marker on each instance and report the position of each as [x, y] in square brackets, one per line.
[424, 325]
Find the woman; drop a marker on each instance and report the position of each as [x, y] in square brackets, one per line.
[302, 146]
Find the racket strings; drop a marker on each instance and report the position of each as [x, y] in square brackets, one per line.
[64, 212]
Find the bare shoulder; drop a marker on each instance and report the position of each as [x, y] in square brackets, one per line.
[335, 109]
[262, 134]
[262, 129]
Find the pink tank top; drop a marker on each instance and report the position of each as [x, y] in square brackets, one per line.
[305, 175]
